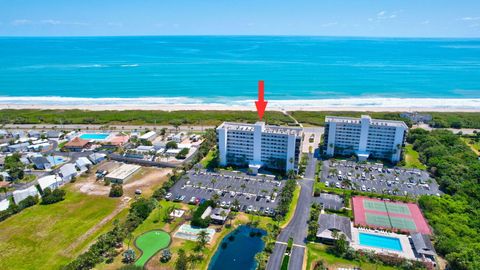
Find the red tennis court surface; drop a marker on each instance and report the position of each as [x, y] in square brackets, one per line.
[389, 215]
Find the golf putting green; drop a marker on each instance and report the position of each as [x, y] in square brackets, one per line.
[150, 243]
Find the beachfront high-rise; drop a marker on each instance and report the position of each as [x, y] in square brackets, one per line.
[259, 145]
[364, 137]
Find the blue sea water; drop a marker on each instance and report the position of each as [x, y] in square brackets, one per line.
[201, 69]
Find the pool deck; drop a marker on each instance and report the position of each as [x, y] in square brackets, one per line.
[406, 252]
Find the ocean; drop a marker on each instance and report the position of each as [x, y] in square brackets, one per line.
[305, 71]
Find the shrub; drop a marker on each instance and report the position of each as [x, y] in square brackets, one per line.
[116, 191]
[54, 196]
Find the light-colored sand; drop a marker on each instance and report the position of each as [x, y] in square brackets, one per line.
[271, 107]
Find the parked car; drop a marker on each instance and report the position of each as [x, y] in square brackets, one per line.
[168, 196]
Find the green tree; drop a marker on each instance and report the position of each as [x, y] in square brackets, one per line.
[116, 190]
[182, 261]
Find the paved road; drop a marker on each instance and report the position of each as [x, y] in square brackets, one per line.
[297, 228]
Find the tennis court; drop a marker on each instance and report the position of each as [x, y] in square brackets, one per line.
[382, 206]
[389, 215]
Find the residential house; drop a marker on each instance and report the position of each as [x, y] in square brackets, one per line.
[20, 147]
[96, 158]
[68, 172]
[4, 204]
[20, 195]
[327, 224]
[53, 134]
[50, 181]
[76, 145]
[41, 163]
[219, 215]
[83, 163]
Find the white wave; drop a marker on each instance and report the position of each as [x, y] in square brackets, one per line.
[353, 102]
[130, 65]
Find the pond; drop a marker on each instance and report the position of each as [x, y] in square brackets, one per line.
[238, 249]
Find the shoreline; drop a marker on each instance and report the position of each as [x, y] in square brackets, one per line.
[218, 107]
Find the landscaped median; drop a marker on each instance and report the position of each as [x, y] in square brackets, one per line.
[292, 208]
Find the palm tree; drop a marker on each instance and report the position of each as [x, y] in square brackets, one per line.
[213, 181]
[243, 186]
[236, 204]
[215, 198]
[202, 239]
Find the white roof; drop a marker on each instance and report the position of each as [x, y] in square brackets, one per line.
[96, 156]
[83, 162]
[68, 169]
[123, 171]
[174, 151]
[49, 181]
[148, 135]
[4, 204]
[20, 195]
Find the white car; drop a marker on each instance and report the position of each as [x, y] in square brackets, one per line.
[168, 196]
[250, 208]
[223, 204]
[337, 185]
[327, 184]
[364, 188]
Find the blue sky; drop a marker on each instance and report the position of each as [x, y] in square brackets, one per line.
[385, 18]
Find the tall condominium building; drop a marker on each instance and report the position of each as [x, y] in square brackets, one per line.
[364, 137]
[258, 145]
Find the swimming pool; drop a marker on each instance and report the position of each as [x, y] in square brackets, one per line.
[380, 241]
[56, 160]
[94, 136]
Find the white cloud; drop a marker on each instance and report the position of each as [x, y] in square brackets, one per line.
[470, 18]
[329, 24]
[51, 22]
[425, 22]
[21, 22]
[384, 15]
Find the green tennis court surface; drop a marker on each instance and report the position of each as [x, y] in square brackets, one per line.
[390, 222]
[403, 223]
[386, 207]
[398, 208]
[379, 220]
[150, 243]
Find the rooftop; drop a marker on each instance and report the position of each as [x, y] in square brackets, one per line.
[329, 223]
[375, 122]
[265, 128]
[77, 142]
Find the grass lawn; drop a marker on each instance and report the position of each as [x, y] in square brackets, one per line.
[44, 232]
[150, 243]
[317, 252]
[291, 210]
[475, 146]
[206, 161]
[411, 159]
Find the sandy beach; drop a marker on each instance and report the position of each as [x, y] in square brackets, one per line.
[217, 107]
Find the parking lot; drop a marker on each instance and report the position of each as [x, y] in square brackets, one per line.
[329, 201]
[374, 177]
[254, 193]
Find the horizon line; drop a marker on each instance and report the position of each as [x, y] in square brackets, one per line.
[238, 35]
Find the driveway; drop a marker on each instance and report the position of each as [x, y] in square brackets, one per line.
[297, 228]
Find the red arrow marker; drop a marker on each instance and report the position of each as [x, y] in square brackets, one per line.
[261, 103]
